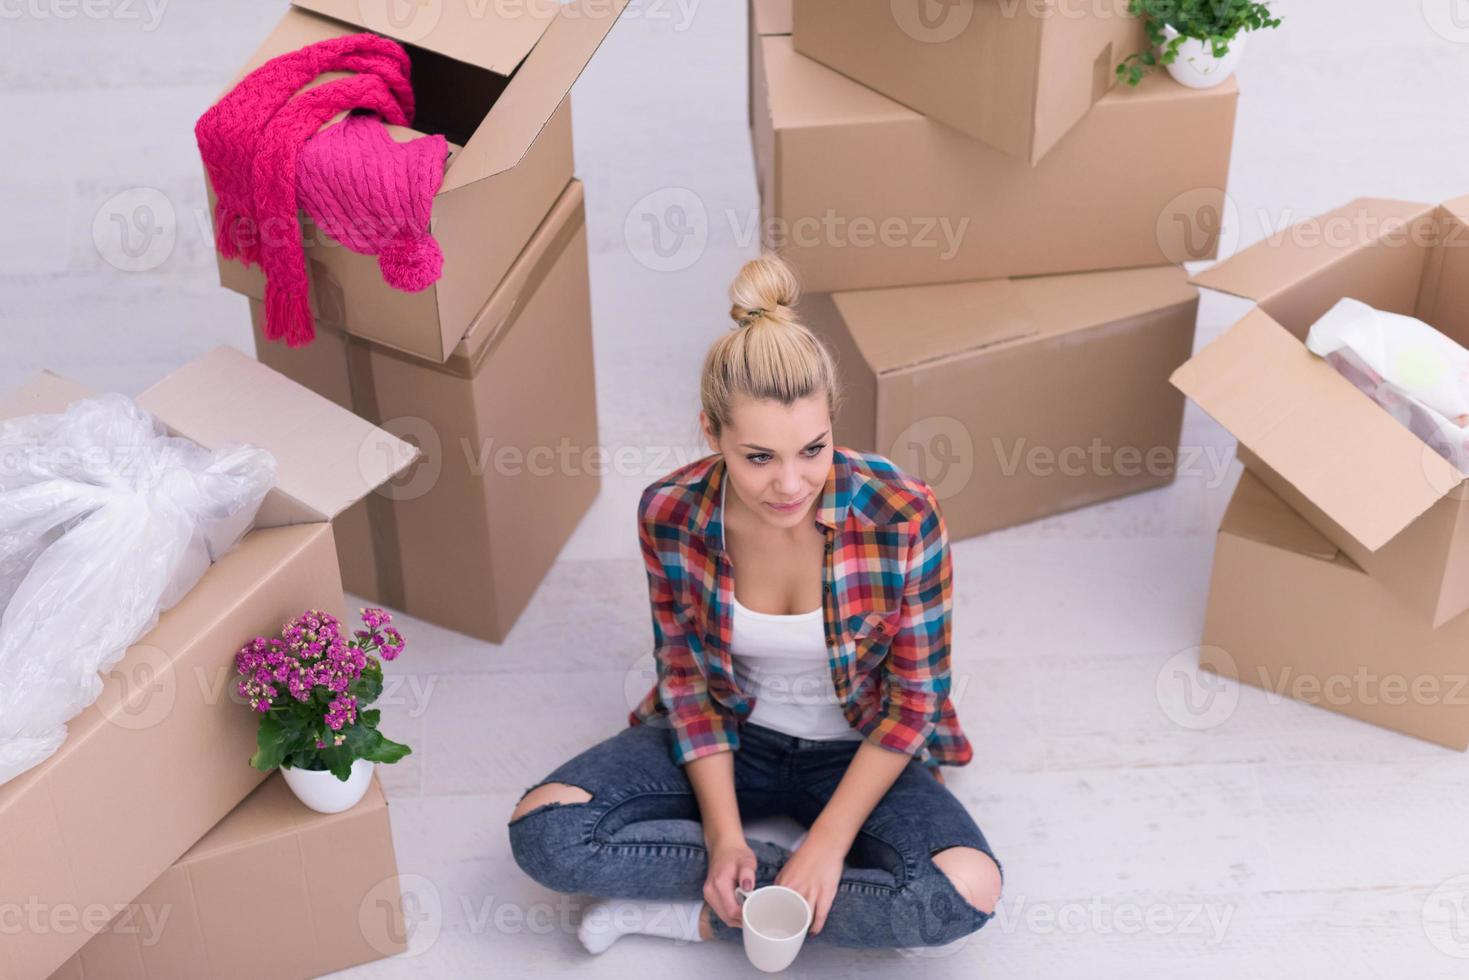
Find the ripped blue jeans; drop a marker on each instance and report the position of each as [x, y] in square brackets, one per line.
[639, 836]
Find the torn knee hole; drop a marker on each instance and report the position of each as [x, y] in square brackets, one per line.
[547, 795]
[974, 874]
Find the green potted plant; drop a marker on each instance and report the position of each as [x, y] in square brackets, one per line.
[311, 686]
[1198, 41]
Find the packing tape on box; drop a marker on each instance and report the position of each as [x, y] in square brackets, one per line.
[481, 338]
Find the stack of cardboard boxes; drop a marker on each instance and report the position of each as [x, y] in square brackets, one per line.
[148, 845]
[489, 371]
[990, 230]
[1341, 573]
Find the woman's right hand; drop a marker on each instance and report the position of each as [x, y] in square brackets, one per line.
[731, 862]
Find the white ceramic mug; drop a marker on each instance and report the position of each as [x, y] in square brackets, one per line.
[774, 920]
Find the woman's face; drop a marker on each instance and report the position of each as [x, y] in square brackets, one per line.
[776, 454]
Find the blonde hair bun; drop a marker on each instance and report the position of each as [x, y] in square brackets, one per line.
[766, 289]
[782, 360]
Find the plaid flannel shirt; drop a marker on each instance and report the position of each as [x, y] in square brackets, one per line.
[887, 596]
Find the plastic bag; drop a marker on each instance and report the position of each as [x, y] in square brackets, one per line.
[105, 521]
[1418, 375]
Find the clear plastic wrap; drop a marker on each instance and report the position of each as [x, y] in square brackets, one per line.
[105, 521]
[1418, 375]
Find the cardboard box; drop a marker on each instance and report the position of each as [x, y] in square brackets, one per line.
[1139, 182]
[493, 78]
[1392, 504]
[1290, 613]
[766, 17]
[84, 832]
[1015, 399]
[274, 889]
[507, 428]
[1015, 76]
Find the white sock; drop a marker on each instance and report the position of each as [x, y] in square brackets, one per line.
[606, 920]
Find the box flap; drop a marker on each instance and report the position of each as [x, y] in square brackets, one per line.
[566, 218]
[494, 36]
[1257, 514]
[952, 319]
[1367, 472]
[521, 112]
[327, 458]
[1459, 208]
[1293, 254]
[44, 394]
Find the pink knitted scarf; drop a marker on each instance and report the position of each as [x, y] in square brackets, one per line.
[250, 140]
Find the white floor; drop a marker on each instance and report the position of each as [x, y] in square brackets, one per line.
[1285, 842]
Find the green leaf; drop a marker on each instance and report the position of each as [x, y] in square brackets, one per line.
[389, 751]
[270, 743]
[367, 742]
[339, 760]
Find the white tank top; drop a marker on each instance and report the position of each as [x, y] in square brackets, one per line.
[782, 662]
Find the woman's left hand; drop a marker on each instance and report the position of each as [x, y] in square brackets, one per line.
[814, 871]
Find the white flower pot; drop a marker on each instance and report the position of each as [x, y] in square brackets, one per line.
[1196, 65]
[325, 793]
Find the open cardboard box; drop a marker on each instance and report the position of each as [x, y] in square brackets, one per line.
[322, 887]
[1376, 490]
[450, 543]
[1015, 398]
[492, 78]
[1015, 76]
[1290, 613]
[861, 192]
[163, 754]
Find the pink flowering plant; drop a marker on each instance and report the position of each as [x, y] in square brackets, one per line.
[311, 686]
